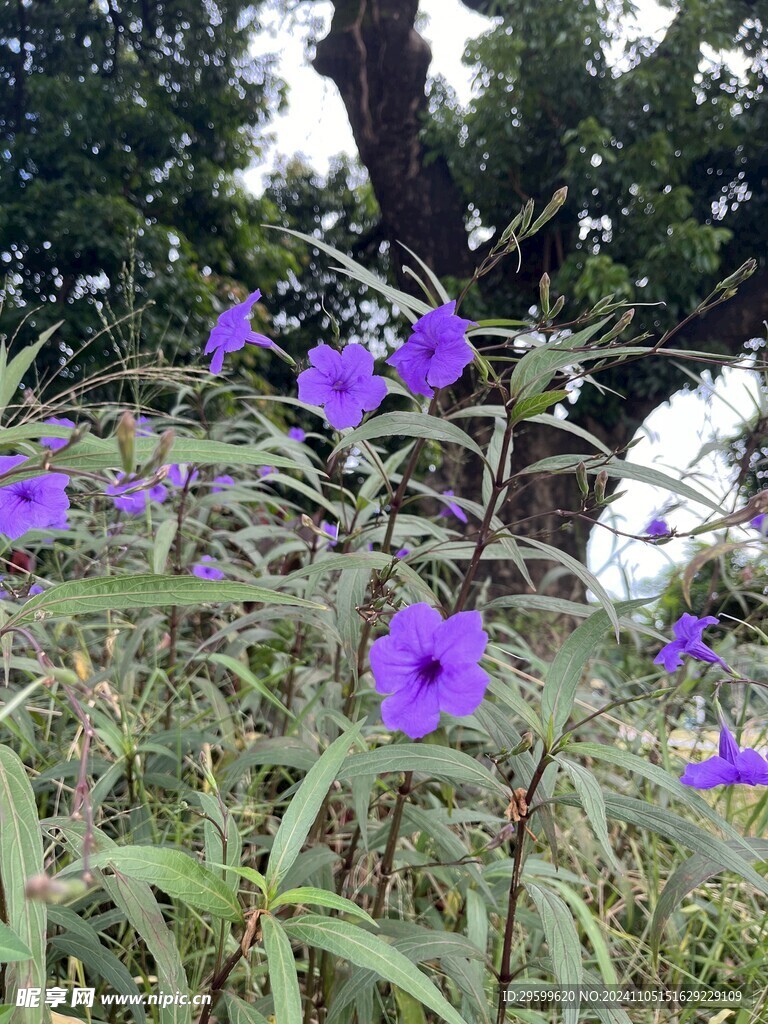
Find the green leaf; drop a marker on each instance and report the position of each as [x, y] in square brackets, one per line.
[21, 858]
[444, 763]
[580, 571]
[118, 593]
[591, 796]
[251, 680]
[566, 670]
[176, 873]
[282, 972]
[308, 895]
[689, 876]
[11, 946]
[18, 366]
[304, 808]
[240, 1012]
[365, 950]
[410, 424]
[562, 939]
[649, 818]
[537, 368]
[525, 408]
[164, 537]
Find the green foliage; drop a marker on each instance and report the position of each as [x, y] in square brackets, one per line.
[204, 764]
[123, 125]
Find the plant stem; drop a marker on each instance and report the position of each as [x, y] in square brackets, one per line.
[505, 975]
[385, 870]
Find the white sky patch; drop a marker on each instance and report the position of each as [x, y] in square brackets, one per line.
[673, 436]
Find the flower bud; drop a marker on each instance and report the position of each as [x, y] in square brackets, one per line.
[582, 479]
[126, 441]
[601, 483]
[544, 294]
[738, 277]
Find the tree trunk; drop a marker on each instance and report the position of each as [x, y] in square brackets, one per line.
[379, 63]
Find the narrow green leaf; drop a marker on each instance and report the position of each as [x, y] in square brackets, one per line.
[588, 789]
[18, 366]
[566, 670]
[537, 368]
[164, 537]
[562, 939]
[176, 873]
[365, 950]
[304, 808]
[310, 896]
[11, 946]
[689, 876]
[649, 818]
[444, 763]
[282, 972]
[119, 593]
[240, 1012]
[410, 424]
[535, 405]
[21, 858]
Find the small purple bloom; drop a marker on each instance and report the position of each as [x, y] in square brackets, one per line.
[429, 664]
[727, 767]
[657, 528]
[333, 533]
[760, 523]
[182, 475]
[402, 553]
[54, 443]
[221, 483]
[452, 508]
[233, 330]
[688, 630]
[296, 434]
[343, 383]
[39, 503]
[206, 569]
[134, 504]
[436, 352]
[143, 426]
[34, 590]
[266, 470]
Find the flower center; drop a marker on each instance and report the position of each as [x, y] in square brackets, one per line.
[339, 385]
[430, 670]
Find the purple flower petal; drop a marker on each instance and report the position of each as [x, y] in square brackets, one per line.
[715, 771]
[296, 434]
[429, 665]
[688, 630]
[657, 528]
[38, 503]
[436, 352]
[342, 383]
[54, 443]
[233, 331]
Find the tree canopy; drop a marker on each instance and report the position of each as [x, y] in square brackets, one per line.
[122, 125]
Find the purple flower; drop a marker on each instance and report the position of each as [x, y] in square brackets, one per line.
[135, 504]
[296, 434]
[39, 503]
[402, 553]
[54, 443]
[34, 590]
[429, 664]
[343, 383]
[452, 508]
[333, 533]
[266, 470]
[436, 353]
[206, 569]
[221, 483]
[760, 523]
[657, 528]
[182, 475]
[688, 630]
[728, 766]
[143, 426]
[233, 330]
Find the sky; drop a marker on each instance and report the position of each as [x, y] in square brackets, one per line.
[315, 124]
